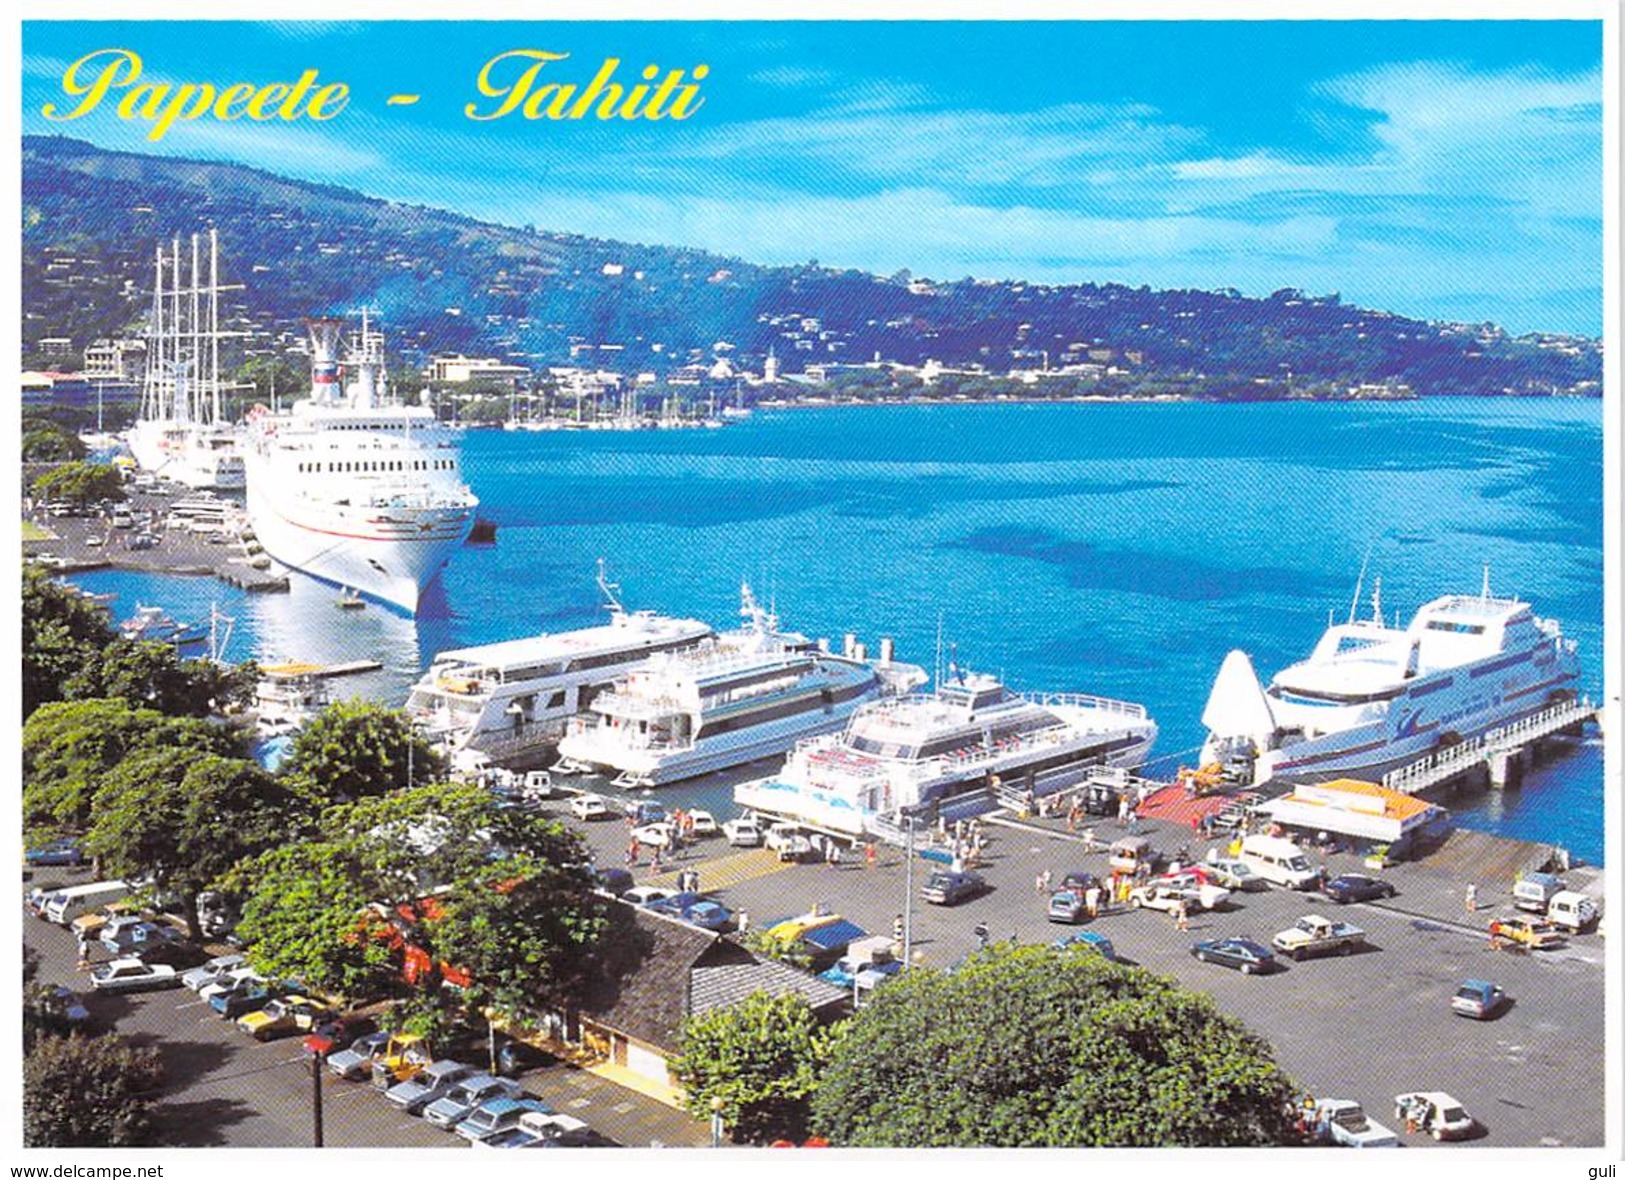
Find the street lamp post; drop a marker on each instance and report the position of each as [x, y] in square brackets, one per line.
[908, 897]
[716, 1122]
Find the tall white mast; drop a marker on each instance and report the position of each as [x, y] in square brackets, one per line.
[214, 326]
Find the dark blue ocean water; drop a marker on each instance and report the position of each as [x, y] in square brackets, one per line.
[1118, 549]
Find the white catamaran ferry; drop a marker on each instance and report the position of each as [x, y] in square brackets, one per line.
[959, 748]
[743, 695]
[354, 486]
[1371, 697]
[508, 702]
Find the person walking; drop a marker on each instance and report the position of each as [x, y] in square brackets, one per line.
[869, 855]
[742, 923]
[1091, 899]
[1182, 918]
[1089, 838]
[1471, 898]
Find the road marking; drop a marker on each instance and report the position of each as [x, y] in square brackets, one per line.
[190, 1004]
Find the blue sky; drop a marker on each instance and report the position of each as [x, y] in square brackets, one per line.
[1448, 170]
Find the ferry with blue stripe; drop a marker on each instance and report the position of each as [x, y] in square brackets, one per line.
[1372, 697]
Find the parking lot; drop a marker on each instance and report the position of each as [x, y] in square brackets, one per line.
[225, 1089]
[1365, 1027]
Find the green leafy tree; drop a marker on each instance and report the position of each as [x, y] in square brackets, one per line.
[509, 900]
[756, 1064]
[1030, 1047]
[46, 442]
[61, 632]
[80, 483]
[89, 1092]
[153, 674]
[356, 749]
[185, 819]
[70, 747]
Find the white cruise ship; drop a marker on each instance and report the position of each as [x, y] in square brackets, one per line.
[180, 433]
[352, 486]
[743, 695]
[1372, 698]
[508, 702]
[956, 751]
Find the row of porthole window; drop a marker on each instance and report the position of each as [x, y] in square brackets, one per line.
[380, 465]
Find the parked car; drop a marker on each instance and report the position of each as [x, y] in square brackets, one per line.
[657, 835]
[1087, 940]
[1349, 887]
[355, 1062]
[56, 852]
[703, 823]
[1342, 1121]
[645, 894]
[708, 915]
[744, 832]
[1531, 934]
[404, 1057]
[433, 1083]
[1235, 875]
[1571, 910]
[132, 975]
[1435, 1112]
[642, 811]
[240, 1001]
[284, 1017]
[1079, 881]
[131, 935]
[1066, 906]
[66, 1005]
[497, 1115]
[1166, 894]
[243, 976]
[466, 1096]
[1534, 891]
[1478, 999]
[335, 1034]
[1313, 935]
[1241, 954]
[948, 888]
[589, 807]
[788, 841]
[214, 970]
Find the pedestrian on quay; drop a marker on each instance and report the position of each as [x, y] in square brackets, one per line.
[1089, 838]
[897, 935]
[84, 954]
[1471, 898]
[1182, 918]
[654, 859]
[742, 923]
[832, 853]
[1122, 812]
[632, 851]
[1091, 898]
[980, 930]
[869, 855]
[1072, 814]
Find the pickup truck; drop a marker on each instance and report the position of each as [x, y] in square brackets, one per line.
[1342, 1122]
[1314, 935]
[788, 841]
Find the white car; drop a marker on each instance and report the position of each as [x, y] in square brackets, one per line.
[589, 807]
[661, 835]
[644, 894]
[227, 981]
[1343, 1122]
[1236, 876]
[743, 832]
[703, 823]
[1166, 897]
[788, 841]
[1435, 1112]
[199, 978]
[132, 975]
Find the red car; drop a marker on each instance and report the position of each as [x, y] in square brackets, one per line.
[331, 1036]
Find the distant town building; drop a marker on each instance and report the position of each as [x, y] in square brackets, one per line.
[116, 360]
[456, 369]
[56, 345]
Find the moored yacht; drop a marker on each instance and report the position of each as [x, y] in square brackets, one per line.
[508, 702]
[958, 750]
[1373, 697]
[741, 695]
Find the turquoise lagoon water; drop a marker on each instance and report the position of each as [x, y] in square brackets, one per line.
[1115, 549]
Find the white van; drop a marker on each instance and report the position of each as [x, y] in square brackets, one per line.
[1534, 891]
[1280, 861]
[1573, 911]
[63, 907]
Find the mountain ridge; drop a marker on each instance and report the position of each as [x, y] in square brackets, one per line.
[445, 281]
